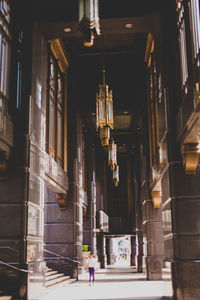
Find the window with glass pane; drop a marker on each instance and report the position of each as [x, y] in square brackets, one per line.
[55, 98]
[161, 109]
[60, 119]
[83, 166]
[19, 68]
[182, 44]
[153, 96]
[5, 38]
[34, 216]
[195, 26]
[52, 108]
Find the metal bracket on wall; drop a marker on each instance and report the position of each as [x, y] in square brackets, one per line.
[62, 201]
[190, 156]
[156, 198]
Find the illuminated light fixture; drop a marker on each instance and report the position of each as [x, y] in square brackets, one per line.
[105, 135]
[104, 112]
[67, 29]
[112, 156]
[156, 198]
[116, 176]
[89, 20]
[128, 25]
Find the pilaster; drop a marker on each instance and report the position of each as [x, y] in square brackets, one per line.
[109, 251]
[100, 249]
[154, 240]
[139, 245]
[185, 204]
[133, 251]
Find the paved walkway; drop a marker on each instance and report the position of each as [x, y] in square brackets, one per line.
[119, 282]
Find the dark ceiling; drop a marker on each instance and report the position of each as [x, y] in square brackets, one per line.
[114, 36]
[67, 10]
[120, 49]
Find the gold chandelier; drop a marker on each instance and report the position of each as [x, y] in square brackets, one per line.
[105, 122]
[112, 155]
[89, 20]
[104, 111]
[112, 162]
[116, 176]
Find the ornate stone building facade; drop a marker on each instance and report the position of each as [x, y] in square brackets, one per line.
[58, 195]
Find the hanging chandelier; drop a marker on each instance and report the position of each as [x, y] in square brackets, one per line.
[112, 155]
[104, 111]
[116, 176]
[89, 20]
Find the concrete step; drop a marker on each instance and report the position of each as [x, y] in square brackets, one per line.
[48, 269]
[49, 276]
[57, 280]
[54, 276]
[49, 273]
[61, 284]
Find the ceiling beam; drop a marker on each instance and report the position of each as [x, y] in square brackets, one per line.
[142, 24]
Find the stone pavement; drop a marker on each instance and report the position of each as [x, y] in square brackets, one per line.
[118, 282]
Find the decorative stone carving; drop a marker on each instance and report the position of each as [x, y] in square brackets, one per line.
[190, 158]
[3, 165]
[62, 201]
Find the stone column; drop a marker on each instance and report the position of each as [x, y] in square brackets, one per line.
[109, 251]
[100, 249]
[154, 240]
[76, 195]
[133, 251]
[139, 246]
[93, 218]
[89, 220]
[185, 204]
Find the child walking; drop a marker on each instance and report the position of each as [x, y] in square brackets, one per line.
[91, 268]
